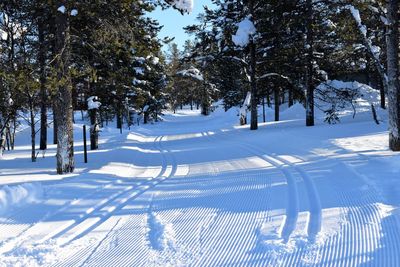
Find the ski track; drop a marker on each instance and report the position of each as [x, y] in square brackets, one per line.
[23, 233]
[359, 235]
[168, 170]
[252, 239]
[314, 225]
[220, 235]
[103, 210]
[364, 231]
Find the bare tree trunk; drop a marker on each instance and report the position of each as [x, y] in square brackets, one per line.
[13, 133]
[63, 98]
[290, 96]
[205, 103]
[310, 66]
[54, 126]
[43, 93]
[263, 104]
[392, 41]
[94, 129]
[8, 138]
[3, 129]
[276, 100]
[33, 131]
[382, 94]
[119, 118]
[254, 97]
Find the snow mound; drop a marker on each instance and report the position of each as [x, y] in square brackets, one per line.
[338, 98]
[362, 93]
[160, 233]
[19, 195]
[296, 111]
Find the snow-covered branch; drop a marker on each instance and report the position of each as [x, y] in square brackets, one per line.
[373, 50]
[192, 73]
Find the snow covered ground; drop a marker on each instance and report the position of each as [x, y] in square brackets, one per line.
[201, 191]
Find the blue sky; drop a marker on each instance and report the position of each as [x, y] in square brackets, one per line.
[173, 21]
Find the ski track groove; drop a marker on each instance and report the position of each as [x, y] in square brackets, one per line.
[57, 211]
[149, 185]
[266, 212]
[369, 221]
[160, 178]
[314, 225]
[64, 207]
[361, 232]
[99, 244]
[252, 238]
[315, 211]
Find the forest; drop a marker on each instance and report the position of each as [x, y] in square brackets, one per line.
[54, 58]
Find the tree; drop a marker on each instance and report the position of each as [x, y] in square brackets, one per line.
[393, 73]
[63, 96]
[310, 64]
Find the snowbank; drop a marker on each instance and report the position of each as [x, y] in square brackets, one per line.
[19, 195]
[364, 94]
[338, 98]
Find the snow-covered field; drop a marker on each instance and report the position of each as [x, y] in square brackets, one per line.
[201, 191]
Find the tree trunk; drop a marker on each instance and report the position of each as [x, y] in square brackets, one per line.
[253, 84]
[13, 133]
[263, 104]
[43, 93]
[94, 129]
[33, 132]
[392, 43]
[382, 94]
[54, 126]
[119, 118]
[276, 100]
[145, 116]
[290, 97]
[63, 98]
[8, 139]
[205, 103]
[310, 66]
[2, 139]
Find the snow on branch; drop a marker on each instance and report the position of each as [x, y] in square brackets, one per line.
[272, 75]
[185, 6]
[192, 72]
[93, 103]
[373, 50]
[245, 30]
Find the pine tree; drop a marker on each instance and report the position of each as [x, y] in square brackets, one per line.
[63, 96]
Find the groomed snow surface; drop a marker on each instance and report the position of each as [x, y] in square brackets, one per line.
[201, 191]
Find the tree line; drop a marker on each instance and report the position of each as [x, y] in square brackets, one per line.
[281, 51]
[105, 57]
[57, 56]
